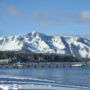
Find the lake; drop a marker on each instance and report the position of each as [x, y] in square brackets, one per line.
[47, 77]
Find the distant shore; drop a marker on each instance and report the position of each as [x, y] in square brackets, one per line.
[45, 64]
[22, 60]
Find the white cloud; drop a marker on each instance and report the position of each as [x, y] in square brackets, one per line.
[48, 18]
[83, 17]
[10, 9]
[13, 11]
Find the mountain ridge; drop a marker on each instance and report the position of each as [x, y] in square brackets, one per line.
[35, 42]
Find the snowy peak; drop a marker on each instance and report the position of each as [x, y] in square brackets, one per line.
[35, 42]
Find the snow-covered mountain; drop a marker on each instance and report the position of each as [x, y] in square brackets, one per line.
[35, 42]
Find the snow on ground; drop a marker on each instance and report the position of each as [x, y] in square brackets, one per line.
[39, 87]
[10, 82]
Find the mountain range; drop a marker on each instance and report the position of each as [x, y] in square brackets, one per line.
[35, 42]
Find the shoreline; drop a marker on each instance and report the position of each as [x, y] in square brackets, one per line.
[45, 64]
[42, 87]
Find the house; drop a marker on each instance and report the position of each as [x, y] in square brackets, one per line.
[4, 61]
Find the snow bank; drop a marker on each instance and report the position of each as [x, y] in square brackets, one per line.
[39, 87]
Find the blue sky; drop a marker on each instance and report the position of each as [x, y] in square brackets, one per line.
[45, 16]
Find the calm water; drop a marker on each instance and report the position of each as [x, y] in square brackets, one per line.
[63, 75]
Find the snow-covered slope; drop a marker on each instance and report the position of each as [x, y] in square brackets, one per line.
[35, 42]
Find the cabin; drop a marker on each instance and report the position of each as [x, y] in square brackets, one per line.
[4, 61]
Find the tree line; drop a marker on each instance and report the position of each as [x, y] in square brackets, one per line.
[25, 57]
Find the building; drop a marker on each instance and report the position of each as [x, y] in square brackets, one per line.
[4, 61]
